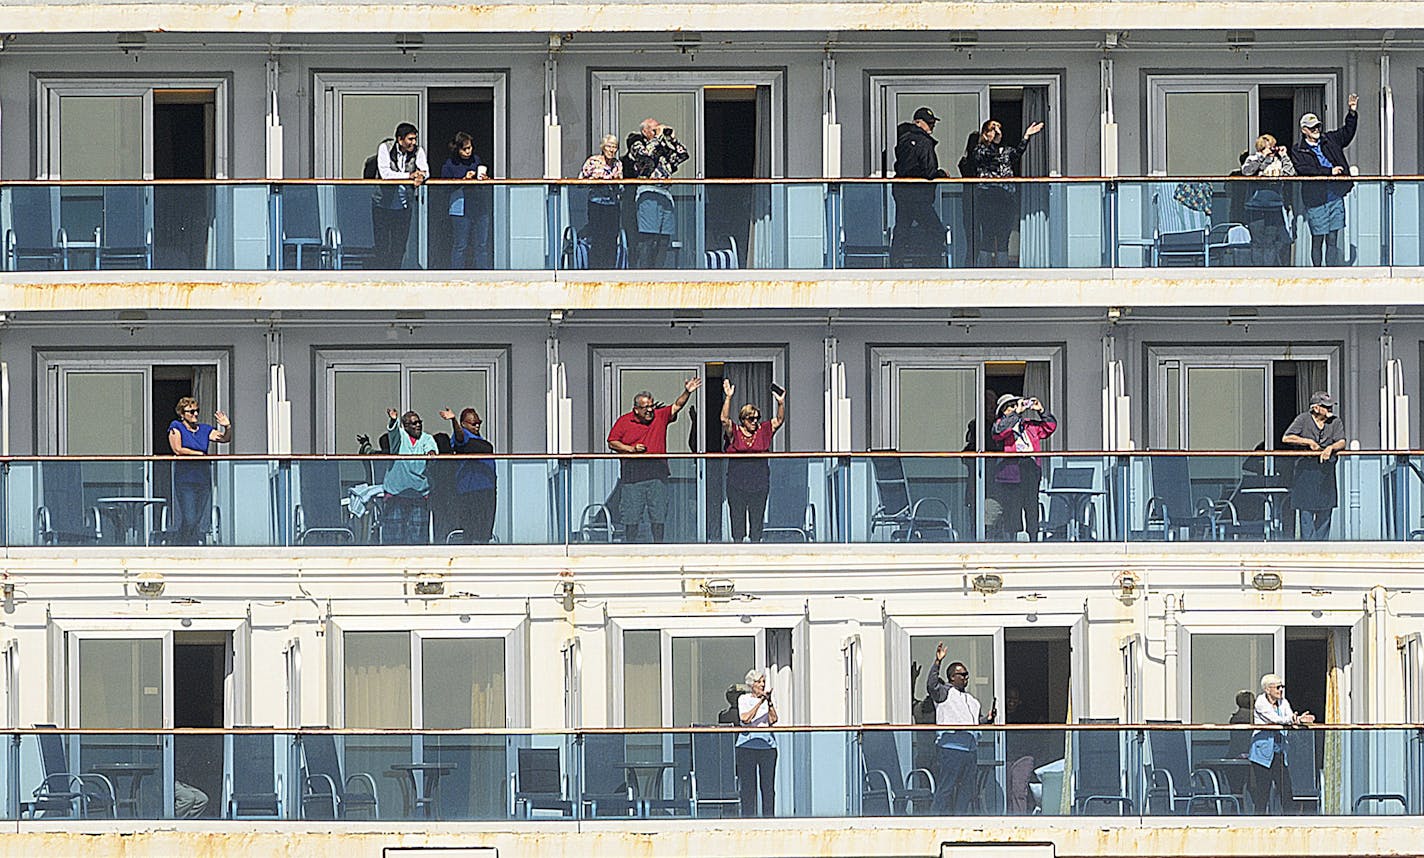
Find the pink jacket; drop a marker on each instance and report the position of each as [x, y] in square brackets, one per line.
[1035, 428]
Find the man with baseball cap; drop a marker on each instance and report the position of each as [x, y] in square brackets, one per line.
[1313, 492]
[919, 238]
[1322, 153]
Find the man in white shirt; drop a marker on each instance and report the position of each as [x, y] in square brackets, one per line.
[958, 749]
[1268, 747]
[405, 161]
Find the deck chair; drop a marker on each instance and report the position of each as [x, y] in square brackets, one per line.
[1185, 236]
[538, 783]
[353, 239]
[865, 233]
[326, 791]
[125, 235]
[252, 784]
[790, 517]
[1098, 772]
[605, 788]
[725, 258]
[34, 235]
[1243, 513]
[1172, 507]
[599, 521]
[1302, 770]
[713, 779]
[320, 519]
[65, 794]
[887, 789]
[909, 518]
[1069, 516]
[63, 518]
[1174, 786]
[301, 228]
[576, 246]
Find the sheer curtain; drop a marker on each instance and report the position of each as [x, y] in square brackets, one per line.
[759, 253]
[1037, 382]
[1034, 247]
[1310, 376]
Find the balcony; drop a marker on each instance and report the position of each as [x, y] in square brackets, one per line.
[1058, 225]
[577, 500]
[356, 776]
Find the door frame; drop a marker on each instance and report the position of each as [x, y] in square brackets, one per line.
[1160, 85]
[330, 86]
[1209, 626]
[49, 89]
[53, 365]
[884, 88]
[607, 84]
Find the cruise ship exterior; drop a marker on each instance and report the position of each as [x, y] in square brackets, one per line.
[1121, 411]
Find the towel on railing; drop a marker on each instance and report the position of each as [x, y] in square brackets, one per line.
[359, 496]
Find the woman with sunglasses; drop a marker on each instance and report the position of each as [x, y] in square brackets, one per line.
[193, 482]
[748, 480]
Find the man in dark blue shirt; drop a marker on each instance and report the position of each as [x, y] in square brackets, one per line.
[475, 478]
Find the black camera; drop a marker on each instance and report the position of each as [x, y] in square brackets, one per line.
[667, 130]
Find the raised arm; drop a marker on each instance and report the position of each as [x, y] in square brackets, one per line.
[727, 390]
[687, 387]
[222, 433]
[780, 417]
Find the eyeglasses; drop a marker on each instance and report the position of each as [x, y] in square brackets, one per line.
[753, 418]
[190, 411]
[959, 673]
[414, 422]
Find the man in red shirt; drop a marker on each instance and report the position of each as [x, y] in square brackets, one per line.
[640, 435]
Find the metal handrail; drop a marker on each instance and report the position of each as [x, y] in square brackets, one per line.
[845, 454]
[784, 180]
[662, 731]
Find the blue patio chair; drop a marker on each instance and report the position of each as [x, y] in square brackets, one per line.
[253, 785]
[865, 231]
[125, 236]
[1098, 772]
[887, 788]
[33, 235]
[326, 791]
[539, 783]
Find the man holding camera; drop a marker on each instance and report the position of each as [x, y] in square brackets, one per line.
[654, 153]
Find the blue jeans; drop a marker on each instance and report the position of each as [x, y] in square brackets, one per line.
[405, 521]
[958, 775]
[192, 512]
[469, 239]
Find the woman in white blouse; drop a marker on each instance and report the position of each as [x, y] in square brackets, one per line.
[756, 749]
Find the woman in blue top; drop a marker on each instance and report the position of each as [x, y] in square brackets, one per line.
[469, 207]
[193, 482]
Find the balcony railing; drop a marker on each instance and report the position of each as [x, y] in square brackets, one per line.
[355, 776]
[813, 498]
[807, 224]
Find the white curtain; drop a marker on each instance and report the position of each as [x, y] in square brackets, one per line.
[761, 242]
[1310, 376]
[1034, 249]
[1038, 381]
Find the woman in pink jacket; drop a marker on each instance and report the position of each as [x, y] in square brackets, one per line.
[1011, 496]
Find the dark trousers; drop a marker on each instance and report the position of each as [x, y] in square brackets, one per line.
[470, 240]
[1015, 502]
[748, 512]
[651, 251]
[405, 521]
[918, 240]
[1315, 524]
[391, 230]
[192, 512]
[602, 236]
[958, 776]
[1270, 242]
[756, 772]
[474, 513]
[1258, 785]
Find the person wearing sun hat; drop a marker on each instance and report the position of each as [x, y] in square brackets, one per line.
[1313, 492]
[1322, 153]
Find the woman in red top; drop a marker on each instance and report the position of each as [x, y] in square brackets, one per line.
[748, 480]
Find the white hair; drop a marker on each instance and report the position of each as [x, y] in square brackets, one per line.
[754, 674]
[1270, 679]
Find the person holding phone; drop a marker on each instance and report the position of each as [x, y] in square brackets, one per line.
[1011, 496]
[192, 481]
[469, 207]
[749, 478]
[958, 749]
[756, 749]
